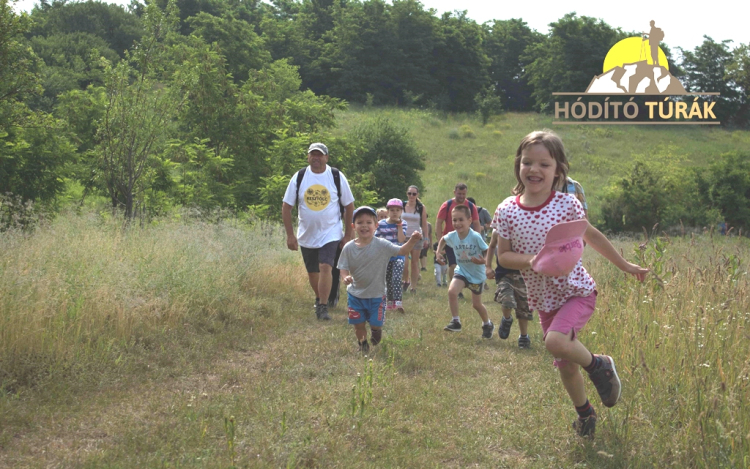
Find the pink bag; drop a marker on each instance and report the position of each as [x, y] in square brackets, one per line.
[562, 249]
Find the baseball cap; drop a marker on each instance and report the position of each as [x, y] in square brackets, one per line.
[562, 249]
[364, 209]
[395, 203]
[318, 146]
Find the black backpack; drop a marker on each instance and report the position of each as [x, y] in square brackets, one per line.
[450, 202]
[336, 181]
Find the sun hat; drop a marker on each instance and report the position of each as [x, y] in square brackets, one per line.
[364, 209]
[562, 249]
[395, 203]
[318, 146]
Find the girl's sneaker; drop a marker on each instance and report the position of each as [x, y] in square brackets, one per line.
[606, 381]
[585, 427]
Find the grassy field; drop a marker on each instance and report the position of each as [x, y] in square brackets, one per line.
[192, 344]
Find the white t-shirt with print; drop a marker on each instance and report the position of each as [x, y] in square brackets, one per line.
[318, 207]
[526, 228]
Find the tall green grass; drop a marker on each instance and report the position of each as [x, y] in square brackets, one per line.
[194, 345]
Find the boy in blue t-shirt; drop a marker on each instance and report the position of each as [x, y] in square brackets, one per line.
[470, 250]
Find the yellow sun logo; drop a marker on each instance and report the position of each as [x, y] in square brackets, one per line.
[632, 50]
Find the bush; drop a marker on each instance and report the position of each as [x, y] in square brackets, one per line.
[466, 132]
[453, 134]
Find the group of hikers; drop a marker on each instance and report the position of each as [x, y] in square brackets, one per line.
[531, 246]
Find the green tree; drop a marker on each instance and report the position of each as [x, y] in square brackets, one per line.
[738, 72]
[705, 70]
[505, 44]
[110, 22]
[139, 110]
[569, 58]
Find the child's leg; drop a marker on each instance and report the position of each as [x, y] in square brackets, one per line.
[405, 272]
[360, 331]
[453, 291]
[376, 333]
[398, 271]
[506, 312]
[438, 274]
[566, 347]
[523, 326]
[392, 284]
[572, 379]
[476, 302]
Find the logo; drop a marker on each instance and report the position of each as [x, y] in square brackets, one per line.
[636, 66]
[317, 197]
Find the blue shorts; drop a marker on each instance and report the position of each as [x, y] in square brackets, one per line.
[371, 310]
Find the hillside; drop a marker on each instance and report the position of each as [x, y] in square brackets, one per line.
[597, 154]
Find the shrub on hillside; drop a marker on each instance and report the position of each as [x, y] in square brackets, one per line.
[466, 132]
[454, 135]
[725, 188]
[386, 157]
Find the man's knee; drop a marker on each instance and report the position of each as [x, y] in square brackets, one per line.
[325, 269]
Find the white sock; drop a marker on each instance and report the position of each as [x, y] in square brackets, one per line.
[488, 323]
[456, 318]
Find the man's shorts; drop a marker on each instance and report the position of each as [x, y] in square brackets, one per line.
[371, 310]
[323, 255]
[571, 316]
[450, 255]
[476, 288]
[511, 293]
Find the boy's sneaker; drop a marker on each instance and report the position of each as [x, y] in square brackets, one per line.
[364, 346]
[585, 427]
[461, 295]
[423, 269]
[524, 342]
[322, 312]
[606, 381]
[487, 330]
[439, 285]
[453, 326]
[504, 330]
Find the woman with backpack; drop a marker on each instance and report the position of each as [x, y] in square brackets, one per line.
[415, 217]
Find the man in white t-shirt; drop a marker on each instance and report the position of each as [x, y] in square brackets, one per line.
[319, 199]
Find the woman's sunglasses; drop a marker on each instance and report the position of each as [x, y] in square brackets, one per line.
[411, 193]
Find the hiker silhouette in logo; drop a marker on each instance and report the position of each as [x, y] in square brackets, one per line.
[655, 36]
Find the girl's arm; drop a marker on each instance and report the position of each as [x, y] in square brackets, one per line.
[510, 259]
[346, 277]
[492, 251]
[601, 244]
[400, 231]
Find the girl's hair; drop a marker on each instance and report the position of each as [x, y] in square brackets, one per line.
[554, 146]
[382, 211]
[419, 202]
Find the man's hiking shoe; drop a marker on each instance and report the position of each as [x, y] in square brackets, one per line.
[487, 330]
[524, 342]
[364, 346]
[322, 312]
[315, 306]
[585, 427]
[453, 326]
[504, 330]
[606, 381]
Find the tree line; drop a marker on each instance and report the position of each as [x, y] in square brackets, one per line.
[208, 102]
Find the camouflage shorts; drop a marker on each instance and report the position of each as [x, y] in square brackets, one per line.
[511, 293]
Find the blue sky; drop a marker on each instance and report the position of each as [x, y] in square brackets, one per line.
[684, 26]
